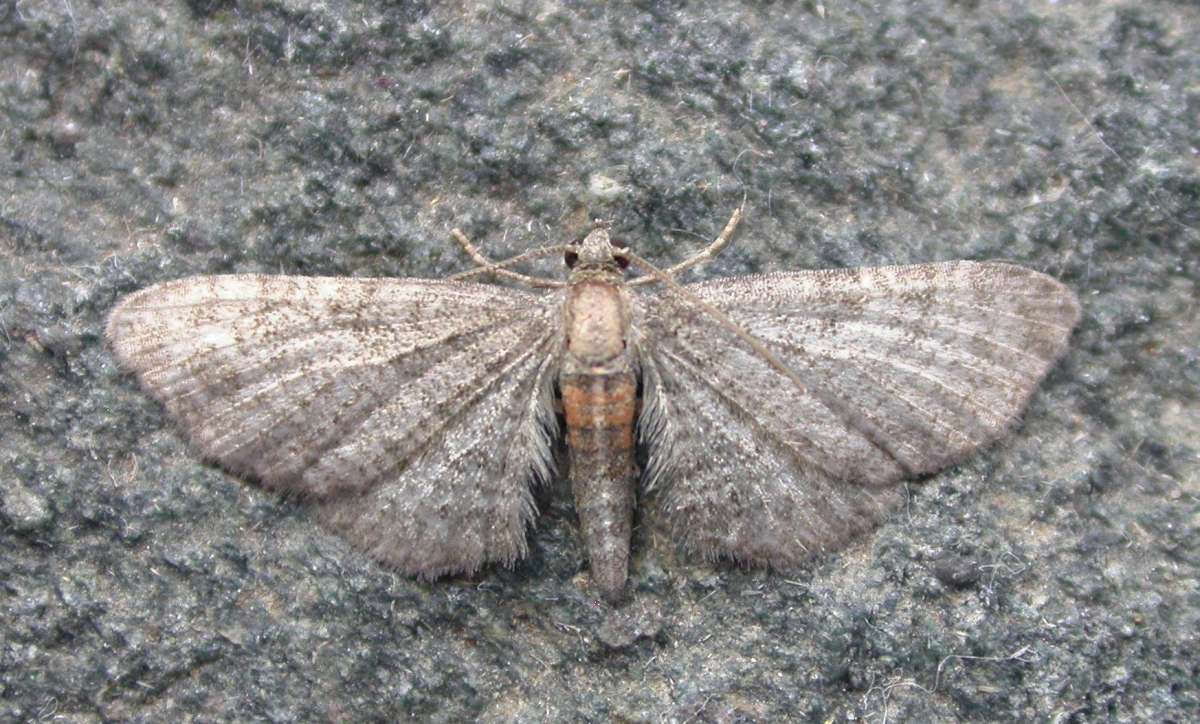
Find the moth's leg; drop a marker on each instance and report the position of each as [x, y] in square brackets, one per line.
[487, 266]
[701, 256]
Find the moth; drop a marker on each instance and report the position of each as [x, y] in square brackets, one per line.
[776, 412]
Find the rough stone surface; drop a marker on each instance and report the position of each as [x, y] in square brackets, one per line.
[1053, 577]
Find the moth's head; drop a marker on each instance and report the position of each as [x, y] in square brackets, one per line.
[597, 251]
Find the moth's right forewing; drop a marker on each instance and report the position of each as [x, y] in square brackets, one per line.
[891, 372]
[338, 388]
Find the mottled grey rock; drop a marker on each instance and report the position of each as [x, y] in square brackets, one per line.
[25, 510]
[625, 625]
[143, 143]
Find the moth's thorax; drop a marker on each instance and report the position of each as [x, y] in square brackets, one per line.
[596, 322]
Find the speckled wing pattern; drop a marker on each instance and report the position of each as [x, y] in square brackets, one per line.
[894, 372]
[414, 413]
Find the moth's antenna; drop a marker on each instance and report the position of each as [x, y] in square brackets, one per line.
[524, 256]
[487, 266]
[704, 254]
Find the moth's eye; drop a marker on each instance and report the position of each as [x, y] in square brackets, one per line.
[621, 259]
[570, 258]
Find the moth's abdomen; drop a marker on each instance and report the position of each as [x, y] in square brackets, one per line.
[600, 409]
[599, 394]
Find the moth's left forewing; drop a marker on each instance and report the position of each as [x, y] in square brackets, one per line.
[891, 372]
[413, 414]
